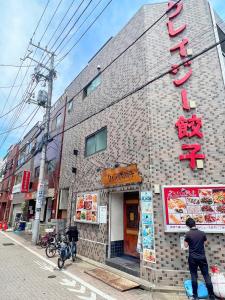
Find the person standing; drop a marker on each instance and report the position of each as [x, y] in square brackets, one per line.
[195, 239]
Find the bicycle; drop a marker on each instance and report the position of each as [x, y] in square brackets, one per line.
[47, 239]
[67, 250]
[53, 247]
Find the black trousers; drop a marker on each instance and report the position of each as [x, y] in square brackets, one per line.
[194, 263]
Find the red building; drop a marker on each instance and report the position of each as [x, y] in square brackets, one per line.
[6, 186]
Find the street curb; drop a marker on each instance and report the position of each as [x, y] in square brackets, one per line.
[144, 284]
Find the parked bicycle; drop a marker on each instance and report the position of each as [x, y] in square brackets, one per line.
[66, 251]
[53, 247]
[48, 238]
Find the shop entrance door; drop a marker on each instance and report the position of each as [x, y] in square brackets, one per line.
[131, 223]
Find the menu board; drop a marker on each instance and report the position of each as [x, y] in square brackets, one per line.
[87, 208]
[205, 204]
[148, 234]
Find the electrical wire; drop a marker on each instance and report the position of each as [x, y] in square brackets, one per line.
[64, 28]
[150, 27]
[15, 66]
[89, 27]
[72, 36]
[201, 34]
[14, 82]
[167, 72]
[49, 23]
[22, 124]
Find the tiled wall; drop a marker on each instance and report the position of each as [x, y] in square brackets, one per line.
[141, 127]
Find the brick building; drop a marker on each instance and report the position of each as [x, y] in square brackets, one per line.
[7, 183]
[122, 140]
[23, 201]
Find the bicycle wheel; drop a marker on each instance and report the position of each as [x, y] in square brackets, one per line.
[60, 263]
[43, 244]
[50, 250]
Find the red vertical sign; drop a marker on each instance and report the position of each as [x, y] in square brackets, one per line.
[25, 182]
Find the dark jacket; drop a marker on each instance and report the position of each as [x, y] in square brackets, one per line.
[72, 233]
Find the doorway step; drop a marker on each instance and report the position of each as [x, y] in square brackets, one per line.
[125, 263]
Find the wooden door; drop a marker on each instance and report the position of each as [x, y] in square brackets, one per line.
[131, 226]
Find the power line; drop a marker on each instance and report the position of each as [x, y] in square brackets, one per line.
[72, 36]
[142, 86]
[74, 24]
[60, 2]
[162, 16]
[196, 37]
[15, 66]
[22, 124]
[39, 21]
[63, 18]
[66, 25]
[14, 82]
[11, 110]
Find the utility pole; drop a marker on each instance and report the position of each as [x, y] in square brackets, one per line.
[42, 182]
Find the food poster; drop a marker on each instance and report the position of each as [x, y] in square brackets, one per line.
[87, 208]
[148, 234]
[205, 204]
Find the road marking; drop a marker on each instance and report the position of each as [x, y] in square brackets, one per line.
[69, 274]
[44, 266]
[81, 290]
[68, 282]
[92, 297]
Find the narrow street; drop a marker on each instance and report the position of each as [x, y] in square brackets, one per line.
[27, 274]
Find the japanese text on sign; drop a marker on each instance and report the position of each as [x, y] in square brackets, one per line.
[205, 204]
[186, 127]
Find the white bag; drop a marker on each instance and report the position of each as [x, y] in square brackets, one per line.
[218, 281]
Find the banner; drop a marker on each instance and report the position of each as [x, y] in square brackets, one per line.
[205, 204]
[148, 234]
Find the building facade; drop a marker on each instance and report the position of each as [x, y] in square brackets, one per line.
[23, 202]
[51, 207]
[124, 142]
[7, 183]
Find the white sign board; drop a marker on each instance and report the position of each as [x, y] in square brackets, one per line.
[103, 214]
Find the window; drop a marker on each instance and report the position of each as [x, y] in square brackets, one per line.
[70, 106]
[18, 178]
[51, 165]
[36, 172]
[96, 142]
[91, 86]
[56, 123]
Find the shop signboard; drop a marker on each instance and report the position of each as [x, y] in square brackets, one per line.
[148, 233]
[25, 182]
[205, 204]
[120, 175]
[103, 214]
[87, 208]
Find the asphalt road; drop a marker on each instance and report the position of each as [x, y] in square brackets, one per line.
[26, 274]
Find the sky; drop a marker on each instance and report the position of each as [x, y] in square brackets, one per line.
[19, 19]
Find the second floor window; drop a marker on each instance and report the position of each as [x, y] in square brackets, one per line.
[56, 123]
[70, 106]
[91, 86]
[96, 142]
